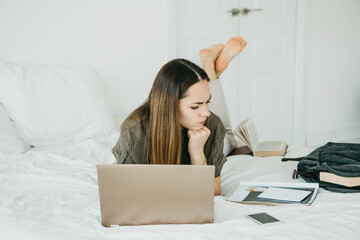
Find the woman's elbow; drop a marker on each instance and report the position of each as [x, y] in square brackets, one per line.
[217, 187]
[217, 192]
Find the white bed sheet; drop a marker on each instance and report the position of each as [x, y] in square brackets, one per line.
[52, 193]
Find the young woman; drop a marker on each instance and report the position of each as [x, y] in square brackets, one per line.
[174, 125]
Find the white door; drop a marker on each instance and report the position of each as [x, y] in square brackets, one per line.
[258, 83]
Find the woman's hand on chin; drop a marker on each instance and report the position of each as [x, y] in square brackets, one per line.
[197, 140]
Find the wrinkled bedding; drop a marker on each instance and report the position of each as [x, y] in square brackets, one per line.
[52, 193]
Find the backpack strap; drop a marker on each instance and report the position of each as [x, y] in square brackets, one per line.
[295, 174]
[292, 159]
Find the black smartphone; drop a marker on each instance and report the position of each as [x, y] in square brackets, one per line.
[262, 218]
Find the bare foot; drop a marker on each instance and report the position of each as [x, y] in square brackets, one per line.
[208, 57]
[232, 48]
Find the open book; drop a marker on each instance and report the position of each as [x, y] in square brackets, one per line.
[247, 133]
[275, 193]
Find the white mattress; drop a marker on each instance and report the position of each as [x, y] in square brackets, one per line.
[52, 193]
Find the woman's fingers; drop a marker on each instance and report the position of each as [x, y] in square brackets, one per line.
[203, 132]
[197, 140]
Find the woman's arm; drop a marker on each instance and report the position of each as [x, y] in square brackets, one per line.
[197, 140]
[124, 151]
[219, 106]
[217, 182]
[217, 187]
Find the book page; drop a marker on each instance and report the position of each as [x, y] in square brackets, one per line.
[240, 133]
[270, 146]
[246, 135]
[284, 194]
[252, 133]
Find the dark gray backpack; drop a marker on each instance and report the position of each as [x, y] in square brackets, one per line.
[342, 159]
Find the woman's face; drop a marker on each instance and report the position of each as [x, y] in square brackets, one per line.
[194, 108]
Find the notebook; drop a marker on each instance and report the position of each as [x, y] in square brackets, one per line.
[284, 194]
[276, 193]
[135, 194]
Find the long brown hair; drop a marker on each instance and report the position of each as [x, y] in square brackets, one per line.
[161, 109]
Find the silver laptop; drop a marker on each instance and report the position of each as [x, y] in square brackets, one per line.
[135, 194]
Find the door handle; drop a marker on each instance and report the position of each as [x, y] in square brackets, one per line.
[235, 11]
[245, 11]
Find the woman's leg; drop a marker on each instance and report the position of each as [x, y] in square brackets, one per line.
[232, 48]
[210, 58]
[219, 106]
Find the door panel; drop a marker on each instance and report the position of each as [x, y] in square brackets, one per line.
[267, 67]
[202, 23]
[258, 83]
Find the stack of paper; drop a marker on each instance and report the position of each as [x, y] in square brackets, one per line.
[285, 194]
[275, 193]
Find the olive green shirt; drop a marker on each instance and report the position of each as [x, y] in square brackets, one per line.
[131, 148]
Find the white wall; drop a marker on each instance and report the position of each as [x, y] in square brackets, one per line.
[331, 71]
[125, 40]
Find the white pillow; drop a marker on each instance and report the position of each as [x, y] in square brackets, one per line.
[53, 103]
[10, 142]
